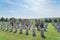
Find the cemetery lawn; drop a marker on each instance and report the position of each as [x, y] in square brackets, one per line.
[51, 34]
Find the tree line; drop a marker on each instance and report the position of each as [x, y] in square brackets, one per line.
[45, 19]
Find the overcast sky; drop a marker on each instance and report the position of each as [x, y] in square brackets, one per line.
[30, 8]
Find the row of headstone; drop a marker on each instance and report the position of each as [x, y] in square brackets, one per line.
[56, 24]
[42, 29]
[41, 26]
[16, 26]
[45, 26]
[8, 27]
[37, 22]
[58, 27]
[2, 26]
[38, 27]
[5, 26]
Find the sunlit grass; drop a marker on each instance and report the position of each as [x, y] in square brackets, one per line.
[51, 34]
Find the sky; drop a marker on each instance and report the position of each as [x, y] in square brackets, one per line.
[30, 8]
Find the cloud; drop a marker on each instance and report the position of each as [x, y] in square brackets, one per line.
[9, 2]
[36, 5]
[44, 8]
[34, 8]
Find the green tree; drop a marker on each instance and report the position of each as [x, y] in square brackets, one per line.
[6, 19]
[13, 19]
[2, 19]
[46, 20]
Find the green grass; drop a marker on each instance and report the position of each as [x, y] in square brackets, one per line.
[51, 34]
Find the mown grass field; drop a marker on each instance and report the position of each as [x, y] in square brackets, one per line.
[51, 34]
